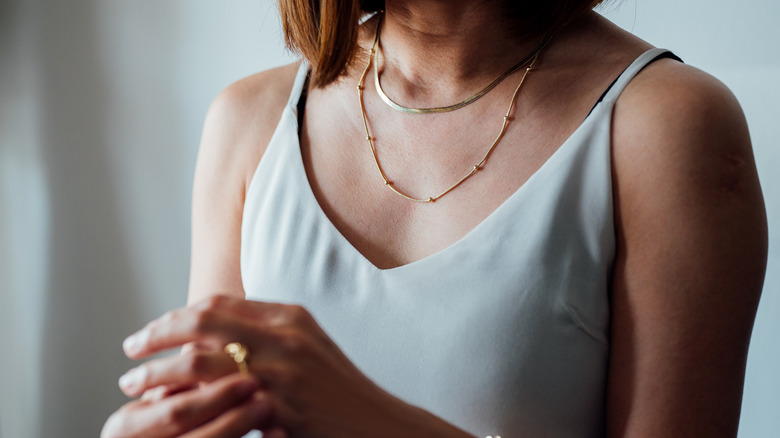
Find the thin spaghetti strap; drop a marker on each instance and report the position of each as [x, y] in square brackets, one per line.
[632, 70]
[301, 78]
[663, 55]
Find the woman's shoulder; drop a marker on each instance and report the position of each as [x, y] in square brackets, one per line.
[261, 94]
[674, 123]
[665, 91]
[681, 151]
[242, 119]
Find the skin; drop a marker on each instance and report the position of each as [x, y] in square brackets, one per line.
[690, 226]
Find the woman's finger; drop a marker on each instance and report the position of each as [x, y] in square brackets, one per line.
[181, 412]
[211, 328]
[178, 371]
[213, 323]
[254, 414]
[261, 312]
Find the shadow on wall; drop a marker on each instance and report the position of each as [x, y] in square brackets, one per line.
[90, 280]
[92, 297]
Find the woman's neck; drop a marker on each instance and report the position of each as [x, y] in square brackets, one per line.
[436, 49]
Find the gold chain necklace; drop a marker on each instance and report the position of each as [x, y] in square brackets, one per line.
[473, 170]
[443, 109]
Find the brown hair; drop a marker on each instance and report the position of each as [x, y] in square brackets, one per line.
[325, 31]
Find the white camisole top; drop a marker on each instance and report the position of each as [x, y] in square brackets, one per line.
[505, 332]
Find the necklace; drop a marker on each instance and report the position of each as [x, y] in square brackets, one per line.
[443, 109]
[474, 169]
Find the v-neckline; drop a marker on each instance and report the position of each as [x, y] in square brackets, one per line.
[292, 112]
[301, 174]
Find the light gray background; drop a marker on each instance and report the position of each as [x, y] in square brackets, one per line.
[101, 104]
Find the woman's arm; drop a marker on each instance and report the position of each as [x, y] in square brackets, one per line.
[692, 243]
[238, 127]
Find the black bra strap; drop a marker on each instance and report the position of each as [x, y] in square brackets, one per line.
[301, 106]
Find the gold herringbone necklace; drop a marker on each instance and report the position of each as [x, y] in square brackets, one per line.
[443, 109]
[475, 169]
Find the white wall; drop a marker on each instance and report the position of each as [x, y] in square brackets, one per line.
[101, 104]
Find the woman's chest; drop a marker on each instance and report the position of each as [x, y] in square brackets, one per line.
[364, 168]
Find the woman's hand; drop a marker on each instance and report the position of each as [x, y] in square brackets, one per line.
[227, 407]
[309, 388]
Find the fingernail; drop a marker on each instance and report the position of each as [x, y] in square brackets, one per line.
[132, 379]
[134, 343]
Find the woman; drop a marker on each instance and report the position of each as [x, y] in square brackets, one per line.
[565, 254]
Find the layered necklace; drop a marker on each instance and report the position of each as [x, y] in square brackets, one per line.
[529, 60]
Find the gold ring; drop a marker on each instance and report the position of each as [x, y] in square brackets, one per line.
[238, 352]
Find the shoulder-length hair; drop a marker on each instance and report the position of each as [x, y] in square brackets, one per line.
[325, 32]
